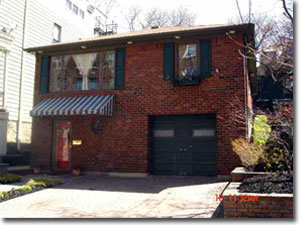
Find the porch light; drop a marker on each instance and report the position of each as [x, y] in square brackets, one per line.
[177, 37]
[129, 42]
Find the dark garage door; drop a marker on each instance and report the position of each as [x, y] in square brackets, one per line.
[183, 145]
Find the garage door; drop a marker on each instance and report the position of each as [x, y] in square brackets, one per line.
[183, 145]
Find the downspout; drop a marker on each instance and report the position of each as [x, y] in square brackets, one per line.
[19, 126]
[245, 65]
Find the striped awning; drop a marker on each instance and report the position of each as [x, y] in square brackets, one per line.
[84, 105]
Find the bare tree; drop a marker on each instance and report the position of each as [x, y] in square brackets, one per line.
[182, 16]
[274, 42]
[105, 6]
[155, 17]
[137, 19]
[288, 9]
[132, 16]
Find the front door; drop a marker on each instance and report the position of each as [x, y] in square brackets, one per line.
[62, 150]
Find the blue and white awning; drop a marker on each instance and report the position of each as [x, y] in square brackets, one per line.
[84, 105]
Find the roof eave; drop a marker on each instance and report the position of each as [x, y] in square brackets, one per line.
[247, 28]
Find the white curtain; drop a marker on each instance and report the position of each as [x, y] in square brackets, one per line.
[84, 63]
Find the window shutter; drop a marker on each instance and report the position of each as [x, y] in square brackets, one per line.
[205, 57]
[168, 60]
[44, 76]
[120, 68]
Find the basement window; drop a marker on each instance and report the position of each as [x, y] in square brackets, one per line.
[82, 72]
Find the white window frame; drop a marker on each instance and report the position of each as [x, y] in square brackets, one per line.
[58, 38]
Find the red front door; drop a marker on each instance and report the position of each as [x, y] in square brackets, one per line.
[63, 145]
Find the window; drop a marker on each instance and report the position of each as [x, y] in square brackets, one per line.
[187, 60]
[69, 4]
[90, 71]
[82, 14]
[164, 133]
[56, 33]
[75, 9]
[203, 133]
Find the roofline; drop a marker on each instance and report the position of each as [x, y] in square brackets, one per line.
[246, 28]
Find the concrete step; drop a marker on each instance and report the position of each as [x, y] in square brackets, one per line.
[23, 169]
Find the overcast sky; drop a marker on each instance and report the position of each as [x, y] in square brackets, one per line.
[208, 11]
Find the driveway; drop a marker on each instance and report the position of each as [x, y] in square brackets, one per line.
[92, 196]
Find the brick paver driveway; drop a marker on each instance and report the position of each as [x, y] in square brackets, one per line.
[111, 197]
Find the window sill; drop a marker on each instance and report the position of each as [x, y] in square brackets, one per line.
[186, 81]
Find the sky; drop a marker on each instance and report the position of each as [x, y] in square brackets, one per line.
[208, 11]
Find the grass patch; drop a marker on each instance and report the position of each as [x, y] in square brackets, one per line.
[8, 178]
[33, 184]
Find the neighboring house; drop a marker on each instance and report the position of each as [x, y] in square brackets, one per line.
[27, 23]
[155, 101]
[271, 92]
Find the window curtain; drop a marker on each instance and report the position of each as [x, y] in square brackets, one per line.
[84, 63]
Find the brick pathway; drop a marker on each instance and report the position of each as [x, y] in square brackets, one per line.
[111, 197]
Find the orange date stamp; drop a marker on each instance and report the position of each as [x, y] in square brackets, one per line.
[238, 198]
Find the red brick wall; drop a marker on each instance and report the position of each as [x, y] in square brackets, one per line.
[124, 144]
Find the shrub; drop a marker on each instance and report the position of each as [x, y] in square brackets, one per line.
[261, 130]
[36, 183]
[8, 178]
[44, 182]
[278, 154]
[249, 153]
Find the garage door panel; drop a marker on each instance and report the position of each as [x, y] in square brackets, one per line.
[183, 169]
[164, 157]
[200, 157]
[183, 157]
[203, 146]
[164, 168]
[164, 145]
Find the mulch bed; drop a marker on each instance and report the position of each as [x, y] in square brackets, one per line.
[273, 183]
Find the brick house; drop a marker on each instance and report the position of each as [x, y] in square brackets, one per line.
[155, 101]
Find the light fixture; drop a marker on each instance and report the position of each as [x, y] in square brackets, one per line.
[177, 37]
[129, 42]
[40, 52]
[232, 32]
[83, 47]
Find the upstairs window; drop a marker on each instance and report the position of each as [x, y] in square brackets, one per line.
[56, 33]
[187, 60]
[82, 72]
[69, 4]
[75, 9]
[81, 14]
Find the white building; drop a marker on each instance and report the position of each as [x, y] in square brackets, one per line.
[28, 23]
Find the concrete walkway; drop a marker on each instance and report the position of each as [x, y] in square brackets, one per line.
[111, 197]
